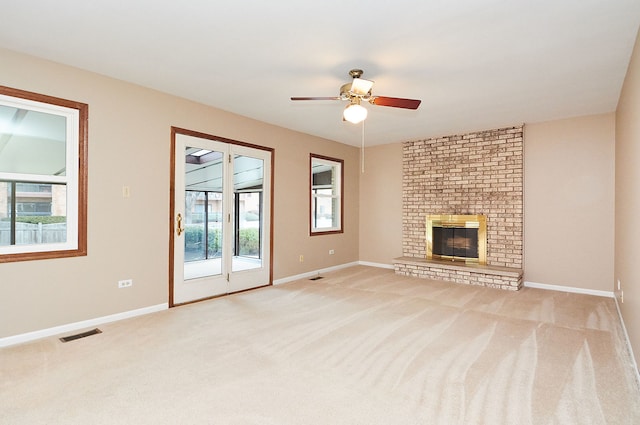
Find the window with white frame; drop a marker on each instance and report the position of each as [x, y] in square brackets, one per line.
[326, 194]
[43, 171]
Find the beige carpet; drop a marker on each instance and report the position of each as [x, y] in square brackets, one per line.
[361, 346]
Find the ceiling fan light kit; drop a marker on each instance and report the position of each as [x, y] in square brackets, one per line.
[358, 90]
[361, 87]
[355, 113]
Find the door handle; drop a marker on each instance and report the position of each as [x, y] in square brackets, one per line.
[179, 228]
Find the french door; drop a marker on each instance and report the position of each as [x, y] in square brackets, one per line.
[221, 211]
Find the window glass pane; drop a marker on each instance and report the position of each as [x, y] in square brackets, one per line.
[214, 225]
[249, 224]
[326, 196]
[203, 170]
[326, 213]
[5, 214]
[32, 142]
[39, 211]
[248, 173]
[324, 177]
[203, 204]
[194, 226]
[248, 181]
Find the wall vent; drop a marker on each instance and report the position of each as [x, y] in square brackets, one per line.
[81, 335]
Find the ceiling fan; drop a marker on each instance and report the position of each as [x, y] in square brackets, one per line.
[359, 90]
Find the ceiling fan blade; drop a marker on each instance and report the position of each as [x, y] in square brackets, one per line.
[317, 98]
[395, 102]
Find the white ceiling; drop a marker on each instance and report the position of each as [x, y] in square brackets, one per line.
[476, 64]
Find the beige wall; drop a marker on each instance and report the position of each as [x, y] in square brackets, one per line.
[627, 246]
[129, 144]
[569, 168]
[381, 204]
[569, 202]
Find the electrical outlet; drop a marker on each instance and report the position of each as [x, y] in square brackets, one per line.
[302, 258]
[331, 252]
[125, 283]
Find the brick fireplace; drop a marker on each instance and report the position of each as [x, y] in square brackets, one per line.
[478, 173]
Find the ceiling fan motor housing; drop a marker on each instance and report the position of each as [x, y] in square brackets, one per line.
[344, 91]
[358, 88]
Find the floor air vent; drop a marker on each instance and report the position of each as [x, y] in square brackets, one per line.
[316, 278]
[81, 335]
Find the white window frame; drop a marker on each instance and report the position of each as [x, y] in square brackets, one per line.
[75, 178]
[337, 185]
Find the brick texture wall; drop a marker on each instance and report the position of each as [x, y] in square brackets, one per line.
[476, 173]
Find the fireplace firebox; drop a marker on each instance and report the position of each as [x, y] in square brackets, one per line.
[457, 238]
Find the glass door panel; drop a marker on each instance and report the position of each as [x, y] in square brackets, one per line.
[199, 204]
[222, 218]
[248, 182]
[251, 218]
[247, 241]
[203, 186]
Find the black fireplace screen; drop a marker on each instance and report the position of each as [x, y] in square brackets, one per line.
[455, 242]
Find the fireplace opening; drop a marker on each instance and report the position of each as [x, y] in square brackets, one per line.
[455, 242]
[457, 238]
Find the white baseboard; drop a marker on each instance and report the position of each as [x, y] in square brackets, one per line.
[598, 293]
[626, 336]
[31, 336]
[313, 273]
[379, 265]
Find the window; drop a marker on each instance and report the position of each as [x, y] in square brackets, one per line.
[43, 176]
[326, 195]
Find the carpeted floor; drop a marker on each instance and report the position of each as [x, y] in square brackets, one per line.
[361, 346]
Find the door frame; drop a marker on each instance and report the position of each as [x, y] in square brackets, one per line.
[172, 189]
